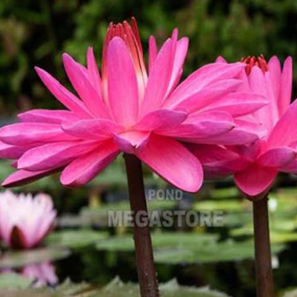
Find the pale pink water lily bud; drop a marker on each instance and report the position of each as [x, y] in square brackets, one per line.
[42, 274]
[25, 220]
[131, 110]
[256, 165]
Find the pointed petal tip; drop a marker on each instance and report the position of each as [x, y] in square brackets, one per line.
[220, 59]
[194, 187]
[40, 72]
[174, 35]
[274, 58]
[289, 59]
[5, 184]
[66, 58]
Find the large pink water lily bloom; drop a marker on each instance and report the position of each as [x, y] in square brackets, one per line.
[25, 220]
[255, 166]
[130, 110]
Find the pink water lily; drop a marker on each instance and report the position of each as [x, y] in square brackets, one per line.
[25, 220]
[255, 166]
[133, 111]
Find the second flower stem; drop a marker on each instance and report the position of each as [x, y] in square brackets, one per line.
[142, 239]
[264, 277]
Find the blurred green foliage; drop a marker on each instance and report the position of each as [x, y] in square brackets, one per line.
[37, 32]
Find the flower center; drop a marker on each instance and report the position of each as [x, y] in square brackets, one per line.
[252, 61]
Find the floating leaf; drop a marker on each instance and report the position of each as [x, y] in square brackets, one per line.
[14, 259]
[238, 219]
[222, 205]
[114, 289]
[75, 239]
[220, 252]
[171, 289]
[275, 235]
[14, 280]
[93, 216]
[160, 240]
[115, 176]
[224, 193]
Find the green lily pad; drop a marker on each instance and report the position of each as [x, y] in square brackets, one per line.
[236, 219]
[160, 240]
[111, 176]
[14, 280]
[90, 216]
[115, 176]
[125, 205]
[222, 205]
[275, 235]
[171, 289]
[75, 239]
[114, 289]
[14, 259]
[224, 193]
[220, 252]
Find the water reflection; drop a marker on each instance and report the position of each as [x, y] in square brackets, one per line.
[41, 274]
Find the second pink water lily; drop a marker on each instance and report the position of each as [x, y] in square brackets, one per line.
[129, 109]
[256, 165]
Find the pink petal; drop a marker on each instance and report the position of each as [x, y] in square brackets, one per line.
[62, 94]
[94, 72]
[261, 83]
[179, 59]
[285, 133]
[274, 68]
[92, 129]
[153, 52]
[53, 155]
[159, 79]
[239, 104]
[47, 116]
[220, 59]
[202, 97]
[23, 177]
[84, 88]
[255, 179]
[25, 134]
[87, 167]
[251, 151]
[161, 119]
[202, 125]
[211, 153]
[207, 75]
[11, 152]
[244, 133]
[277, 157]
[290, 168]
[217, 161]
[173, 162]
[286, 86]
[122, 83]
[131, 140]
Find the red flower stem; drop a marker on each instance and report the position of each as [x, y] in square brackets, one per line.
[264, 276]
[142, 239]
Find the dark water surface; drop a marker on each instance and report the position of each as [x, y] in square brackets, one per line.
[233, 278]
